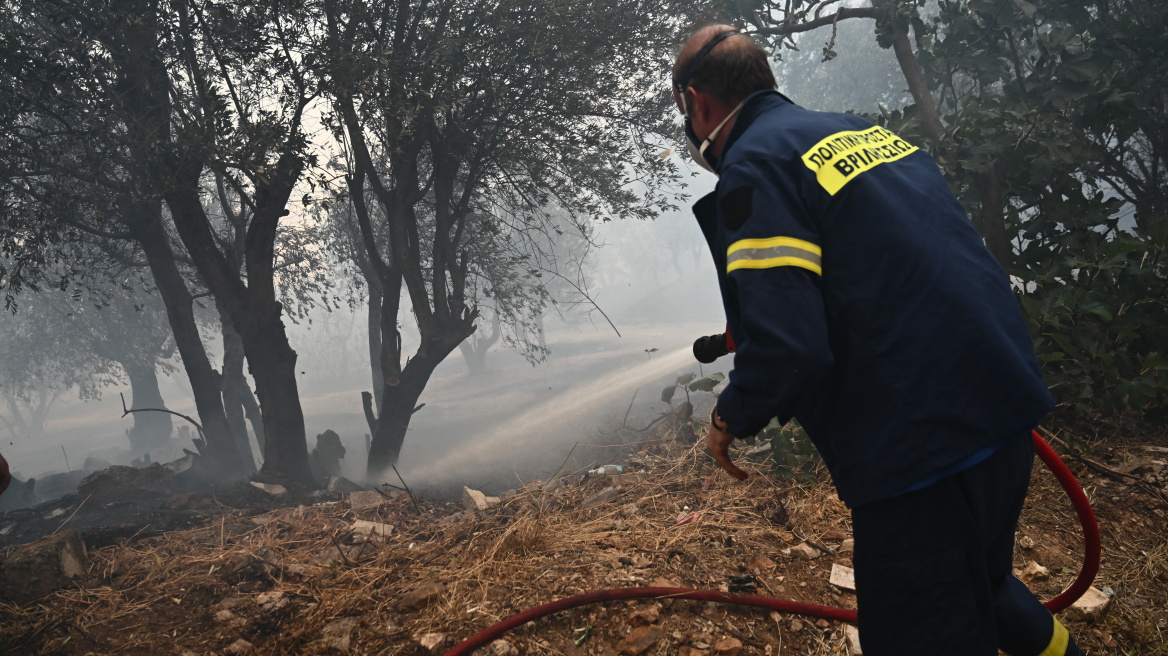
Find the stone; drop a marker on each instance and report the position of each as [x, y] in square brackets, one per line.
[728, 647]
[1032, 572]
[338, 634]
[240, 646]
[342, 485]
[271, 600]
[120, 483]
[639, 640]
[225, 617]
[475, 500]
[805, 551]
[835, 536]
[1090, 606]
[796, 625]
[431, 642]
[372, 528]
[365, 499]
[1026, 542]
[853, 635]
[691, 651]
[600, 498]
[762, 563]
[842, 577]
[502, 647]
[42, 567]
[644, 616]
[423, 595]
[847, 546]
[273, 489]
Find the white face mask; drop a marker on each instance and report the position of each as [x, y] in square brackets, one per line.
[698, 152]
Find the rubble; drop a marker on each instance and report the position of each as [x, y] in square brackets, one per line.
[476, 500]
[342, 485]
[338, 635]
[805, 551]
[273, 489]
[853, 635]
[422, 595]
[499, 647]
[240, 646]
[42, 567]
[372, 528]
[601, 497]
[1091, 606]
[1032, 572]
[728, 647]
[431, 642]
[645, 616]
[365, 499]
[843, 577]
[639, 640]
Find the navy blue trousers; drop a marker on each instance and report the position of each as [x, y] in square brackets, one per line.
[934, 568]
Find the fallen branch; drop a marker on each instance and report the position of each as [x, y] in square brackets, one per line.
[407, 488]
[198, 427]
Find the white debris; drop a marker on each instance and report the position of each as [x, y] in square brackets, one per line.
[842, 577]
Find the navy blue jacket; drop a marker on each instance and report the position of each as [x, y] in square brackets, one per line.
[862, 301]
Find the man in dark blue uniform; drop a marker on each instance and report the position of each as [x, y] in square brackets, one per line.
[863, 303]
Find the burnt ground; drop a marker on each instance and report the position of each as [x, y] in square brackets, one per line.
[203, 572]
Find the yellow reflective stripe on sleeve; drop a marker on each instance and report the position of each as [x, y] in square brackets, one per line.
[773, 252]
[839, 158]
[1058, 642]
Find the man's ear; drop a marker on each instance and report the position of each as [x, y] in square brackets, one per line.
[699, 104]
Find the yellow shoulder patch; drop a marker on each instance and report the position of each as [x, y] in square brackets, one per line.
[839, 158]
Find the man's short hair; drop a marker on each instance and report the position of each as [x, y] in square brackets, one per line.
[735, 68]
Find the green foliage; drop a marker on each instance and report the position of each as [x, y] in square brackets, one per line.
[1055, 127]
[793, 454]
[687, 383]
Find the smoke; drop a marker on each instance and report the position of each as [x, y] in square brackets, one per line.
[561, 418]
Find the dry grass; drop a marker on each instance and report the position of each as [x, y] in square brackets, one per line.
[282, 579]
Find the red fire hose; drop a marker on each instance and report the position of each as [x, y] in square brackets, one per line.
[1091, 553]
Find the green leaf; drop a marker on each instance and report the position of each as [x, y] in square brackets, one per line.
[1026, 7]
[706, 384]
[667, 393]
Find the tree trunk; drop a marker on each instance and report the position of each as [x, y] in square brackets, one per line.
[475, 357]
[181, 316]
[374, 324]
[990, 219]
[151, 430]
[234, 387]
[397, 408]
[272, 363]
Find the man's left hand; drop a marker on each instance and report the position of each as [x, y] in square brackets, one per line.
[718, 442]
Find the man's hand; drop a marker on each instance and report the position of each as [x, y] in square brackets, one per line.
[718, 441]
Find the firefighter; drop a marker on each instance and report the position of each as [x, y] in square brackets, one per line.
[862, 303]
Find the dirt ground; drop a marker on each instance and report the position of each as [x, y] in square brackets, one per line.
[303, 579]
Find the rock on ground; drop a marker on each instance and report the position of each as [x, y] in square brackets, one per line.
[639, 640]
[42, 567]
[1090, 606]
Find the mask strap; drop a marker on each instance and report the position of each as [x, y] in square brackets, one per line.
[708, 141]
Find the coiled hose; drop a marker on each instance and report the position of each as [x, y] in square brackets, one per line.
[1091, 554]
